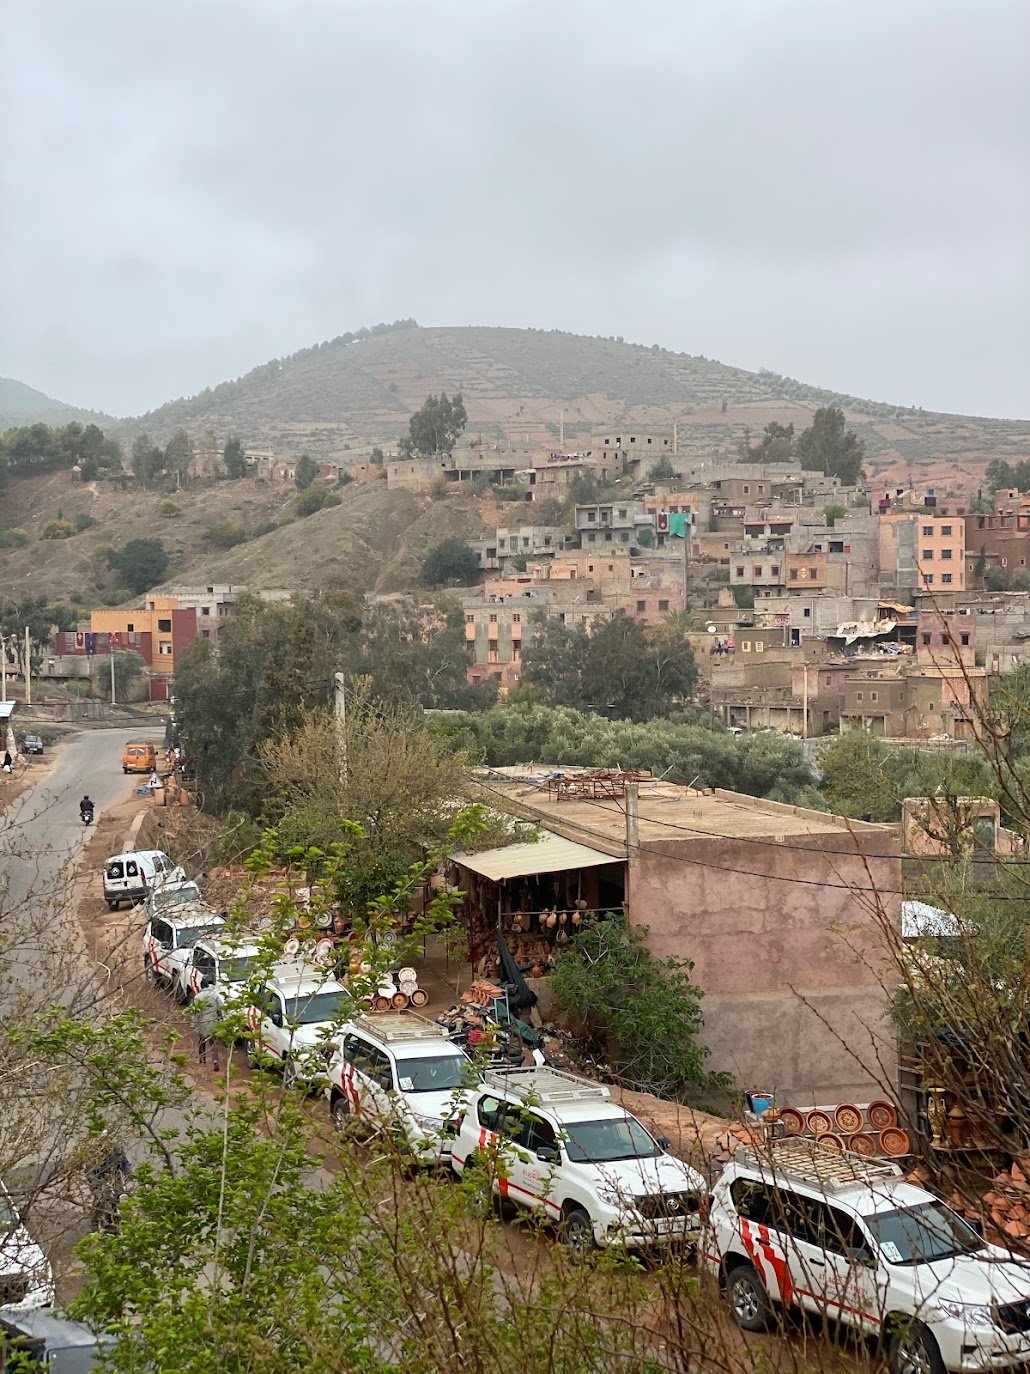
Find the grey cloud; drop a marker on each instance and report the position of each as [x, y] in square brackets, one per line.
[837, 192]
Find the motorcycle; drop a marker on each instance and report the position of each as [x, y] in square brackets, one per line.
[86, 813]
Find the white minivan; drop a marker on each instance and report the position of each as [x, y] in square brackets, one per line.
[132, 876]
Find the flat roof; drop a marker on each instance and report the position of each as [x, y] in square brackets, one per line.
[667, 811]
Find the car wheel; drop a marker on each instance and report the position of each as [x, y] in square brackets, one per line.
[577, 1233]
[182, 995]
[113, 906]
[748, 1301]
[251, 1054]
[292, 1080]
[913, 1350]
[151, 974]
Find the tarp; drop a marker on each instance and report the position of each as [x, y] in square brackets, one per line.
[864, 629]
[551, 854]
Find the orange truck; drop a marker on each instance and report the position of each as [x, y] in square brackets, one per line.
[139, 758]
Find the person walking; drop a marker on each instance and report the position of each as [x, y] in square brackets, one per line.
[108, 1179]
[206, 1009]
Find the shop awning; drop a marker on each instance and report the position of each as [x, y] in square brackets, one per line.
[551, 854]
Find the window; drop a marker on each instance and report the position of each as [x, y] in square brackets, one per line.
[926, 641]
[873, 696]
[964, 640]
[759, 646]
[928, 555]
[622, 515]
[591, 515]
[756, 571]
[747, 491]
[516, 618]
[130, 627]
[663, 605]
[641, 606]
[793, 574]
[858, 696]
[493, 618]
[165, 647]
[946, 531]
[164, 627]
[205, 610]
[807, 613]
[946, 554]
[927, 531]
[774, 571]
[739, 571]
[928, 579]
[745, 645]
[946, 578]
[470, 619]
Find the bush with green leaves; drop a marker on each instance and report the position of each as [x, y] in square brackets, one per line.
[313, 500]
[452, 562]
[59, 529]
[14, 537]
[141, 564]
[638, 1015]
[226, 534]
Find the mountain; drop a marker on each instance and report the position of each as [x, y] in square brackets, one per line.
[24, 405]
[520, 385]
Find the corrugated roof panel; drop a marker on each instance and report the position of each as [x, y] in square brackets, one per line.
[550, 854]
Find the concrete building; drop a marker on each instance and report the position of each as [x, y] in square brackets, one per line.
[777, 907]
[612, 522]
[157, 632]
[919, 550]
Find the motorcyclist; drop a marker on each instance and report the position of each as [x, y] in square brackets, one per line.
[86, 807]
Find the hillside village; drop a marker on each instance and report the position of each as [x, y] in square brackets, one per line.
[775, 833]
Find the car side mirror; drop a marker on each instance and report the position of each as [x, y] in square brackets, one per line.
[662, 1141]
[276, 1018]
[386, 1081]
[859, 1256]
[548, 1154]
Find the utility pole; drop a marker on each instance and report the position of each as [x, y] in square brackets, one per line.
[113, 702]
[28, 670]
[3, 667]
[340, 703]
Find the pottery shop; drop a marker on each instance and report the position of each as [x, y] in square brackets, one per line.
[536, 895]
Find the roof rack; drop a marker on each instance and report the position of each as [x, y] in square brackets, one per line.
[390, 1026]
[546, 1085]
[831, 1170]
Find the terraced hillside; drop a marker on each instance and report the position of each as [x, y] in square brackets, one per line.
[520, 384]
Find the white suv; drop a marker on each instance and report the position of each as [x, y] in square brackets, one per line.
[26, 1279]
[295, 1021]
[559, 1145]
[396, 1069]
[226, 965]
[798, 1226]
[168, 940]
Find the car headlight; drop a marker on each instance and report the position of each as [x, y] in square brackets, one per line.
[970, 1313]
[615, 1197]
[428, 1123]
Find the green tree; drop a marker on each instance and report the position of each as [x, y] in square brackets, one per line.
[639, 1014]
[1020, 580]
[827, 447]
[994, 579]
[58, 529]
[980, 567]
[777, 444]
[663, 471]
[419, 654]
[234, 458]
[377, 457]
[435, 427]
[833, 513]
[178, 456]
[128, 668]
[313, 500]
[305, 472]
[140, 565]
[225, 534]
[147, 459]
[274, 664]
[450, 563]
[743, 597]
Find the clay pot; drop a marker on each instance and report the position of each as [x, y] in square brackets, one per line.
[819, 1123]
[894, 1142]
[794, 1122]
[829, 1140]
[864, 1144]
[957, 1127]
[420, 998]
[399, 1001]
[882, 1115]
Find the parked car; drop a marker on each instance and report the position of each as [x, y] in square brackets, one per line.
[50, 1341]
[32, 744]
[849, 1238]
[223, 964]
[295, 1022]
[132, 876]
[166, 899]
[398, 1071]
[139, 757]
[559, 1145]
[168, 940]
[26, 1279]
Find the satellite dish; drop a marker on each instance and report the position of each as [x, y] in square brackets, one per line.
[711, 629]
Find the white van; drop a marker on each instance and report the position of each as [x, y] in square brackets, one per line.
[131, 877]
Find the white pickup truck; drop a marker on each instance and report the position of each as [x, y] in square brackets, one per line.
[295, 1022]
[168, 940]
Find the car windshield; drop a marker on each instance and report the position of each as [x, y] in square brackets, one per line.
[314, 1007]
[439, 1074]
[236, 969]
[919, 1235]
[187, 936]
[177, 896]
[600, 1142]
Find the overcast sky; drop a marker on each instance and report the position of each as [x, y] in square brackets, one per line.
[839, 191]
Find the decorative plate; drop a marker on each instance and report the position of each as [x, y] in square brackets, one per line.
[894, 1142]
[868, 1146]
[794, 1122]
[829, 1140]
[882, 1115]
[848, 1118]
[819, 1122]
